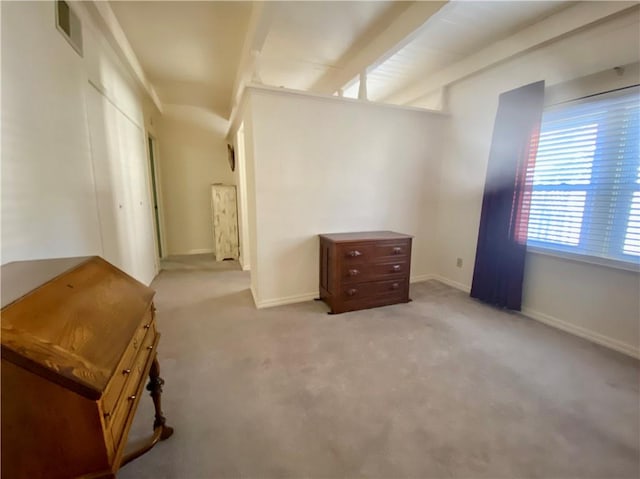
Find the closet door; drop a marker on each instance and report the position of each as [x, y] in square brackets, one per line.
[122, 187]
[225, 222]
[109, 184]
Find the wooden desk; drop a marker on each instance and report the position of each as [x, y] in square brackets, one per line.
[78, 339]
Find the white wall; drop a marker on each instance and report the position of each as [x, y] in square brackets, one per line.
[192, 156]
[246, 115]
[74, 167]
[331, 165]
[595, 301]
[48, 200]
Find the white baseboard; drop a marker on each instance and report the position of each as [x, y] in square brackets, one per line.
[452, 283]
[201, 251]
[191, 251]
[244, 267]
[298, 298]
[254, 296]
[583, 333]
[560, 324]
[421, 277]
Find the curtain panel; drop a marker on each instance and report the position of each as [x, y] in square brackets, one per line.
[502, 237]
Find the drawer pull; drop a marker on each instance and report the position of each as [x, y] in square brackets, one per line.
[126, 371]
[107, 415]
[147, 326]
[149, 348]
[395, 286]
[132, 397]
[397, 250]
[355, 253]
[351, 292]
[354, 272]
[396, 267]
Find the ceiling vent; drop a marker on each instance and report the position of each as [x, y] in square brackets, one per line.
[69, 25]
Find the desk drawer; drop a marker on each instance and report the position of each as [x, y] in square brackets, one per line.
[133, 387]
[125, 368]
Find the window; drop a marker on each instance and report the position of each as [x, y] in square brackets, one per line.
[586, 178]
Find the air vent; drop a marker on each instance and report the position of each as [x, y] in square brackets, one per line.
[69, 25]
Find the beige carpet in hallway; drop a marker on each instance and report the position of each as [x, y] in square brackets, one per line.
[441, 387]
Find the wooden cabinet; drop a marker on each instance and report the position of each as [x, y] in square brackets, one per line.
[78, 340]
[225, 222]
[364, 270]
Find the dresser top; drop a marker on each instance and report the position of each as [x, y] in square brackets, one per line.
[70, 320]
[365, 236]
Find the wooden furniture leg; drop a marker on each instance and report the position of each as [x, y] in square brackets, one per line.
[155, 387]
[160, 430]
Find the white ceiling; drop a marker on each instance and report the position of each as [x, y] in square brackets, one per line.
[459, 29]
[307, 39]
[188, 50]
[191, 51]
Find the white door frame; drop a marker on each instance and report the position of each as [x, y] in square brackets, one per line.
[243, 220]
[155, 180]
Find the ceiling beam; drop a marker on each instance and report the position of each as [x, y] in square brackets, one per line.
[102, 12]
[379, 45]
[575, 17]
[259, 25]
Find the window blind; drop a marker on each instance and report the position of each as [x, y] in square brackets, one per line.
[586, 178]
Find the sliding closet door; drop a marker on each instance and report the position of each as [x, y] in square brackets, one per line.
[121, 182]
[139, 219]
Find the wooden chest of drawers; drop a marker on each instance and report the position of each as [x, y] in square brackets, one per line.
[364, 270]
[78, 340]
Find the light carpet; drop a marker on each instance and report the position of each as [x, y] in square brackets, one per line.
[442, 387]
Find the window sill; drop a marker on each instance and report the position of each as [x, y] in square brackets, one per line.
[607, 263]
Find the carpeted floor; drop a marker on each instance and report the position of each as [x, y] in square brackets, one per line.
[437, 388]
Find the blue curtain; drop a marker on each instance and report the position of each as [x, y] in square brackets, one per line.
[502, 237]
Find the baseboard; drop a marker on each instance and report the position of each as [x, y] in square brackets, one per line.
[421, 277]
[254, 296]
[583, 333]
[299, 298]
[244, 267]
[560, 324]
[452, 283]
[192, 251]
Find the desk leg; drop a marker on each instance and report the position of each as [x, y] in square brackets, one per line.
[160, 430]
[155, 387]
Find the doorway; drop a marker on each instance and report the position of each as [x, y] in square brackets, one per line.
[154, 187]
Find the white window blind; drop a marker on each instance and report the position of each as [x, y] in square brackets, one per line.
[586, 178]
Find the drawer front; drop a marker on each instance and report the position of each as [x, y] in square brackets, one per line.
[392, 249]
[355, 273]
[117, 383]
[354, 292]
[352, 253]
[370, 302]
[133, 387]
